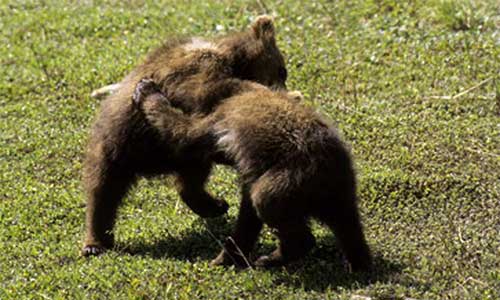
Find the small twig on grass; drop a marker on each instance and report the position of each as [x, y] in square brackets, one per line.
[482, 152]
[224, 247]
[359, 297]
[371, 117]
[476, 281]
[464, 289]
[43, 295]
[239, 252]
[221, 244]
[176, 206]
[472, 88]
[460, 235]
[463, 92]
[497, 98]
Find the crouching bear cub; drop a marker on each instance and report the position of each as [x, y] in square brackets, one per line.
[292, 163]
[195, 74]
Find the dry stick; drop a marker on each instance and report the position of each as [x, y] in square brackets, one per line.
[469, 149]
[472, 88]
[476, 281]
[464, 92]
[239, 252]
[222, 245]
[360, 297]
[497, 99]
[216, 239]
[481, 152]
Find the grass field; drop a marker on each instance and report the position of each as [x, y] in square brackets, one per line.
[414, 88]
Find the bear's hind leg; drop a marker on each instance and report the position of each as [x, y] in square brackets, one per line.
[295, 239]
[105, 188]
[237, 248]
[278, 199]
[344, 220]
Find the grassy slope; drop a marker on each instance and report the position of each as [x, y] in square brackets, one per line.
[428, 167]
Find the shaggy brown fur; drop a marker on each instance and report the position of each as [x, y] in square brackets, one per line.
[293, 166]
[195, 74]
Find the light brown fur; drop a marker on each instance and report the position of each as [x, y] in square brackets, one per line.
[292, 163]
[123, 146]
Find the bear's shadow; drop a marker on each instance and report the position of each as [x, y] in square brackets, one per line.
[322, 269]
[191, 245]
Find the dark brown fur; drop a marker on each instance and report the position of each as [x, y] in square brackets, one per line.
[122, 146]
[293, 166]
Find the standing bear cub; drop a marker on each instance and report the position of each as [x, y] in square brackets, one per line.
[195, 74]
[292, 163]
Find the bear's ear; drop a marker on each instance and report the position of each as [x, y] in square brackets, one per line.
[263, 28]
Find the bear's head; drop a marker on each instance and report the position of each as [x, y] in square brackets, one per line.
[254, 55]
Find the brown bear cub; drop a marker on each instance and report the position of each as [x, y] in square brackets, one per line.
[292, 163]
[195, 74]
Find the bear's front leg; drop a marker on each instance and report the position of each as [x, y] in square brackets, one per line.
[191, 188]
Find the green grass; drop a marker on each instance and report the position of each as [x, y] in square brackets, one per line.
[397, 80]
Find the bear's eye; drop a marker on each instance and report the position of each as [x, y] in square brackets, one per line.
[282, 73]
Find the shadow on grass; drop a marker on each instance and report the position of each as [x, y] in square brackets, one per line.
[325, 269]
[322, 269]
[190, 245]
